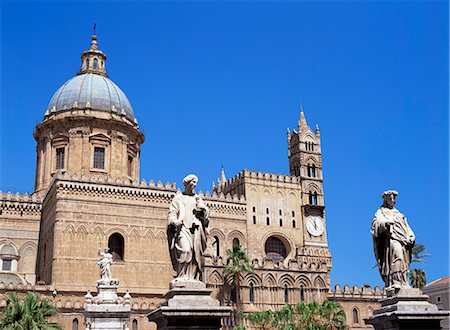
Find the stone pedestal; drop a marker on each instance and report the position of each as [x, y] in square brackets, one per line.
[107, 310]
[407, 308]
[189, 306]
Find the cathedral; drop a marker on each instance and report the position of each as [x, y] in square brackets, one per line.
[88, 195]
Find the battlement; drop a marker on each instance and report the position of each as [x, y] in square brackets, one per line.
[118, 186]
[20, 203]
[355, 292]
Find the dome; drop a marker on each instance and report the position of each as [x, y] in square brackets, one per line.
[93, 91]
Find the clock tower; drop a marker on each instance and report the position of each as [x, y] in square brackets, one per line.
[305, 163]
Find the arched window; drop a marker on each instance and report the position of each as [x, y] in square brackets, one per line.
[293, 213]
[251, 294]
[310, 195]
[355, 315]
[116, 246]
[302, 293]
[75, 324]
[95, 64]
[216, 243]
[314, 199]
[254, 209]
[267, 210]
[281, 213]
[87, 63]
[286, 294]
[268, 221]
[313, 171]
[275, 249]
[254, 219]
[8, 258]
[293, 223]
[236, 241]
[281, 222]
[309, 170]
[134, 325]
[233, 294]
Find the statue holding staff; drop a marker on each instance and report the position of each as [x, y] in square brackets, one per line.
[393, 240]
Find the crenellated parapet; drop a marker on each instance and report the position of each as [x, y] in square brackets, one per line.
[355, 293]
[20, 204]
[235, 185]
[158, 192]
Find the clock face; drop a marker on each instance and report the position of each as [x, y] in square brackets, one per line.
[314, 225]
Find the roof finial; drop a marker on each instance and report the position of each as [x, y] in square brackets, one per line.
[95, 25]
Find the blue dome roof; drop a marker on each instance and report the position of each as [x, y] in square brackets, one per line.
[91, 91]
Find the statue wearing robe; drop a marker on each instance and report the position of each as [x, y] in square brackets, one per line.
[393, 240]
[187, 232]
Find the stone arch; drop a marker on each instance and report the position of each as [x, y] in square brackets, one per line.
[312, 160]
[286, 280]
[119, 230]
[134, 235]
[319, 283]
[356, 315]
[252, 278]
[314, 188]
[237, 234]
[302, 281]
[217, 232]
[82, 232]
[308, 136]
[149, 234]
[290, 248]
[27, 261]
[160, 235]
[215, 278]
[269, 280]
[69, 230]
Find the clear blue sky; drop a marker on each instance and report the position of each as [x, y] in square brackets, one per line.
[217, 83]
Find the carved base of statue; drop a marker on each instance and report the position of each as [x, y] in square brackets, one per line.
[107, 310]
[189, 305]
[406, 308]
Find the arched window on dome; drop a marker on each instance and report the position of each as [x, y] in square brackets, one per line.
[95, 64]
[87, 63]
[116, 245]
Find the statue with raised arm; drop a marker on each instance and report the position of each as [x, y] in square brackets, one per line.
[105, 265]
[393, 240]
[187, 232]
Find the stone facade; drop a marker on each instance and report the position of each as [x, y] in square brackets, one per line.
[88, 196]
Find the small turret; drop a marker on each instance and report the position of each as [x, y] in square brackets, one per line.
[302, 124]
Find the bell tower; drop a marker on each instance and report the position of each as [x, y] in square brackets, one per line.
[305, 163]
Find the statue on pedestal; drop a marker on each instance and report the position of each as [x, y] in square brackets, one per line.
[187, 232]
[105, 266]
[393, 240]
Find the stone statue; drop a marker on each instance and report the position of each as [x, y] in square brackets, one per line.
[187, 232]
[393, 240]
[105, 265]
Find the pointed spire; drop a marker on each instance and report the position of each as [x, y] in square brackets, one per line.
[223, 178]
[93, 60]
[288, 134]
[302, 121]
[317, 130]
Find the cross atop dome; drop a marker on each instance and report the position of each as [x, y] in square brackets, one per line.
[93, 60]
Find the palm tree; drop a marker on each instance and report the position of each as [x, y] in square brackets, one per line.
[333, 315]
[417, 254]
[32, 313]
[417, 278]
[237, 264]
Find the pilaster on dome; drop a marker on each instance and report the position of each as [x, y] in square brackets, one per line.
[93, 60]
